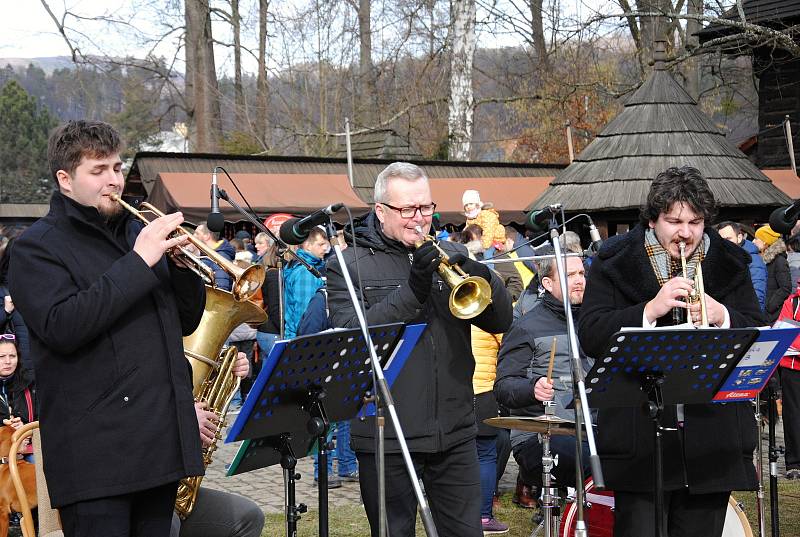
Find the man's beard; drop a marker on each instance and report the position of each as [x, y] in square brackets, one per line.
[110, 212]
[576, 300]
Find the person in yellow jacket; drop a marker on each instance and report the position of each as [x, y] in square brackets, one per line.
[485, 347]
[483, 215]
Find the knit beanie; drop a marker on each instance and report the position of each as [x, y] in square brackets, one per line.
[766, 235]
[471, 196]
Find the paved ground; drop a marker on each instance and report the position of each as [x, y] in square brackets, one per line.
[265, 486]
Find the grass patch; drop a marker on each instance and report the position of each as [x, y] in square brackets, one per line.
[351, 521]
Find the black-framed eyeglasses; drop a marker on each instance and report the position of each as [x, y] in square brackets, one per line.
[409, 212]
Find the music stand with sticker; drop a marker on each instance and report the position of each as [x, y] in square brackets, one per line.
[305, 384]
[658, 367]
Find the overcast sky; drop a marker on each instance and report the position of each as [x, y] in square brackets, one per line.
[27, 31]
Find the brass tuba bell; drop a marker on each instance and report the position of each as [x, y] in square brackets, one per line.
[469, 295]
[212, 379]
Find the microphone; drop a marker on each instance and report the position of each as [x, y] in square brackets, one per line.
[296, 230]
[539, 220]
[215, 220]
[597, 241]
[783, 220]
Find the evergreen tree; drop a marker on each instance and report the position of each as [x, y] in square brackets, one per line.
[24, 128]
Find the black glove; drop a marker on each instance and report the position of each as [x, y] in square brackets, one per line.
[471, 267]
[425, 261]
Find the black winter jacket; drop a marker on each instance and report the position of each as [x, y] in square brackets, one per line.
[433, 393]
[14, 324]
[13, 394]
[114, 387]
[524, 358]
[713, 451]
[779, 279]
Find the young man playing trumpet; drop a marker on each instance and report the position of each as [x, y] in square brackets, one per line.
[106, 310]
[636, 280]
[433, 393]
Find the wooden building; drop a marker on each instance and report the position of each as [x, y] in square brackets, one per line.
[660, 127]
[300, 185]
[778, 73]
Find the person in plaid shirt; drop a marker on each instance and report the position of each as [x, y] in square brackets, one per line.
[299, 284]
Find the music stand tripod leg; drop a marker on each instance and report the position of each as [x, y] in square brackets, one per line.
[289, 463]
[655, 407]
[318, 425]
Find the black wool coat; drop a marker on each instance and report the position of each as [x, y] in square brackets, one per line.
[713, 452]
[114, 387]
[433, 393]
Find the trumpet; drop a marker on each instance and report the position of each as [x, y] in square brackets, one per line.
[246, 281]
[698, 294]
[469, 295]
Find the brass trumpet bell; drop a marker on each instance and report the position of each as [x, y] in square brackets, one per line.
[469, 295]
[698, 294]
[246, 281]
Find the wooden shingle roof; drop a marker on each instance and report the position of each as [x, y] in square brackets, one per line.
[661, 126]
[508, 185]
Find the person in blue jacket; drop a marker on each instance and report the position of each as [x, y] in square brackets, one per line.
[733, 232]
[299, 283]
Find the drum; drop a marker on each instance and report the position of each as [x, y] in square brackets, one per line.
[599, 515]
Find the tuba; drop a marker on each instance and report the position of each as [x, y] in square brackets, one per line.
[697, 294]
[212, 378]
[469, 295]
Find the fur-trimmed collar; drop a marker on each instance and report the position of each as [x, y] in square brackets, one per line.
[626, 264]
[773, 250]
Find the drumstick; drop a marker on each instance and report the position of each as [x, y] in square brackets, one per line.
[552, 360]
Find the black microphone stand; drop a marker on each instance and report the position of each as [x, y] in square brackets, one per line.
[774, 453]
[582, 411]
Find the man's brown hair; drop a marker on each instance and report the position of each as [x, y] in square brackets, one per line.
[679, 185]
[71, 142]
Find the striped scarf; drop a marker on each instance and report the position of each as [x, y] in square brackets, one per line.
[666, 268]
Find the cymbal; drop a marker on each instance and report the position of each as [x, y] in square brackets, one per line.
[540, 424]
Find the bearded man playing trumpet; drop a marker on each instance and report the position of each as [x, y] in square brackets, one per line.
[433, 393]
[106, 311]
[637, 280]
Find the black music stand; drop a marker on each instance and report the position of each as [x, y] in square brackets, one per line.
[304, 385]
[658, 367]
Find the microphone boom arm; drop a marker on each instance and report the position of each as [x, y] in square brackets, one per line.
[261, 227]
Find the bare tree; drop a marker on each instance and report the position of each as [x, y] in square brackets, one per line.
[241, 106]
[463, 42]
[262, 95]
[202, 90]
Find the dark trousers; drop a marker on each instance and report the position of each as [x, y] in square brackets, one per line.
[147, 513]
[220, 514]
[487, 462]
[503, 452]
[452, 485]
[790, 388]
[687, 515]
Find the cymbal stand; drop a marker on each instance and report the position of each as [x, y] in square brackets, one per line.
[774, 453]
[550, 499]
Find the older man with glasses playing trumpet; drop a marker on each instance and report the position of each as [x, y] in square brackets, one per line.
[433, 393]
